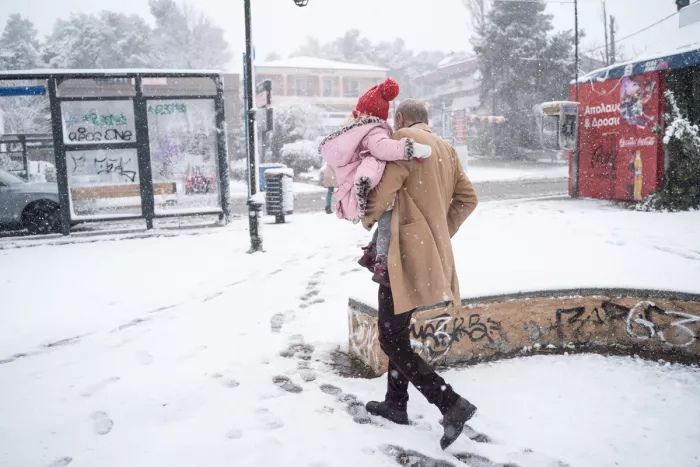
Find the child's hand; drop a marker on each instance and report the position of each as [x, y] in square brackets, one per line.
[421, 151]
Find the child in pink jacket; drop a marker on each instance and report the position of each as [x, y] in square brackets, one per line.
[358, 153]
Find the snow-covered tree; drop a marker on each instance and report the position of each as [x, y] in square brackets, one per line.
[19, 50]
[19, 45]
[186, 38]
[293, 123]
[403, 64]
[478, 10]
[25, 114]
[107, 40]
[681, 140]
[522, 64]
[302, 155]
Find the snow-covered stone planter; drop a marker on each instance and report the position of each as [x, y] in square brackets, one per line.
[666, 324]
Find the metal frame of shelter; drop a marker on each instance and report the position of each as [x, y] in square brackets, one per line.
[25, 142]
[54, 78]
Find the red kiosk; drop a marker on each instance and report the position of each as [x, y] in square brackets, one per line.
[619, 157]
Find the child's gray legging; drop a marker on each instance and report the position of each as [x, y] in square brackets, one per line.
[383, 233]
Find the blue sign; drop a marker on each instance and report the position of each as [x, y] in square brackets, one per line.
[23, 91]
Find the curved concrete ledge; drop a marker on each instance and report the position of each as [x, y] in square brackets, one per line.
[484, 328]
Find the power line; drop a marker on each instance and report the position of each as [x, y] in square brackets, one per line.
[635, 33]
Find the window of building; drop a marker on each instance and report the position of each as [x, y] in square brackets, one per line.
[327, 87]
[301, 86]
[354, 89]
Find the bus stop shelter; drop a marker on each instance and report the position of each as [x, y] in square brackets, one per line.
[133, 144]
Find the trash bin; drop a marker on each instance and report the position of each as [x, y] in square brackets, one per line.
[279, 196]
[262, 168]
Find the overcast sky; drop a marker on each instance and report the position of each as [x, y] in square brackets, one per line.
[280, 26]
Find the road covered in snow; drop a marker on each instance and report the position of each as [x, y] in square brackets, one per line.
[185, 351]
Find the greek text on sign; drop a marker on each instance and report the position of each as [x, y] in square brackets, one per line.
[601, 122]
[602, 109]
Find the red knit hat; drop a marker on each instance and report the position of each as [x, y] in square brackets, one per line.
[375, 102]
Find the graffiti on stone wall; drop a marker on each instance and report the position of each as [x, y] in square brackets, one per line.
[434, 339]
[363, 335]
[643, 322]
[647, 321]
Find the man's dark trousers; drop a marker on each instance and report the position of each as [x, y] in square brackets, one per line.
[404, 364]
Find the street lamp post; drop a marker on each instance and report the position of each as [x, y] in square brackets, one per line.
[254, 204]
[575, 154]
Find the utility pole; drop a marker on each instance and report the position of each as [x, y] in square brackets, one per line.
[605, 28]
[613, 52]
[253, 206]
[576, 45]
[493, 112]
[575, 155]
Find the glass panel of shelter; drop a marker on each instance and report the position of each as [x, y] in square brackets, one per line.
[99, 134]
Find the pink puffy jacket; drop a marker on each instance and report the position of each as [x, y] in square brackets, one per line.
[358, 154]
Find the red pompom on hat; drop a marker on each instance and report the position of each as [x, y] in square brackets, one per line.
[375, 102]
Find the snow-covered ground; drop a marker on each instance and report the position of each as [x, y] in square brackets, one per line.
[166, 350]
[480, 173]
[239, 189]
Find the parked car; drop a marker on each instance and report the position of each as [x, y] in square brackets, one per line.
[28, 205]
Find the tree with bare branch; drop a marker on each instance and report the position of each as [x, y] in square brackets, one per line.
[479, 10]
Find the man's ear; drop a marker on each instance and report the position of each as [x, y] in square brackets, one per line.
[398, 121]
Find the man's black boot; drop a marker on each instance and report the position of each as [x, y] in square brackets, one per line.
[454, 421]
[382, 409]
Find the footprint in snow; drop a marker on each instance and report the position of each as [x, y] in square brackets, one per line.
[269, 419]
[276, 322]
[307, 375]
[234, 434]
[298, 349]
[226, 382]
[330, 389]
[101, 423]
[230, 383]
[61, 462]
[311, 303]
[310, 294]
[97, 387]
[284, 382]
[345, 273]
[144, 358]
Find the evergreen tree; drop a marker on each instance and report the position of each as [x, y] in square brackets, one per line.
[19, 50]
[19, 45]
[107, 40]
[186, 38]
[681, 139]
[522, 64]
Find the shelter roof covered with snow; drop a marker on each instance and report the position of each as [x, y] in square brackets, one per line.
[682, 57]
[317, 63]
[41, 73]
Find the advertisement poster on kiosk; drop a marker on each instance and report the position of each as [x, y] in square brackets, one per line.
[620, 157]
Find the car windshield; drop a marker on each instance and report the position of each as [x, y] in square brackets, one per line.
[7, 178]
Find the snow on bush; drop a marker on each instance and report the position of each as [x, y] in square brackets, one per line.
[302, 155]
[681, 140]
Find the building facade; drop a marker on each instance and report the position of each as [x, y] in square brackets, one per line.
[453, 86]
[332, 86]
